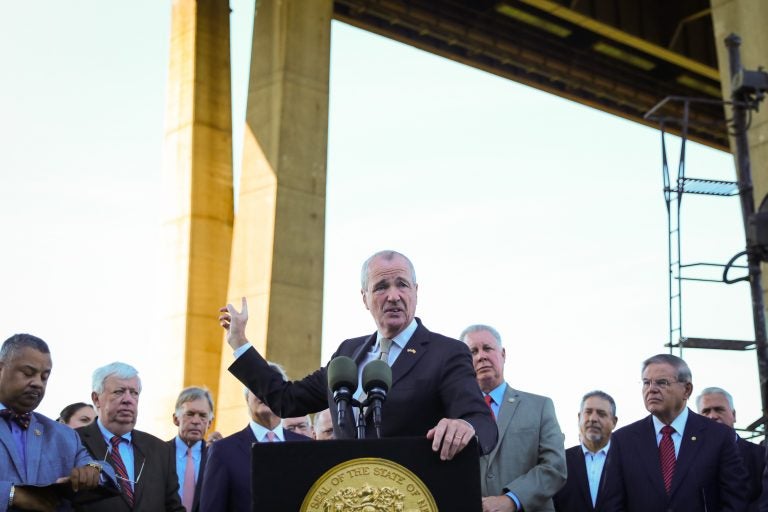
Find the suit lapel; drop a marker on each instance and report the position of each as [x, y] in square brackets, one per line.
[689, 448]
[11, 447]
[648, 452]
[414, 350]
[507, 410]
[139, 463]
[580, 476]
[35, 434]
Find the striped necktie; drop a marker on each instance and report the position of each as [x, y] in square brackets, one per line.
[667, 456]
[120, 472]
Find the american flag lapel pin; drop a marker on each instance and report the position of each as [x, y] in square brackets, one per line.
[411, 350]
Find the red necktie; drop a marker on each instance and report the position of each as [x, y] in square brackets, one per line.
[21, 420]
[667, 456]
[272, 437]
[120, 471]
[488, 402]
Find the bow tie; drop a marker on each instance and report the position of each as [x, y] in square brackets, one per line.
[22, 419]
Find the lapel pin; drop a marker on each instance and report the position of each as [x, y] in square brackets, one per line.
[411, 350]
[511, 400]
[38, 433]
[693, 438]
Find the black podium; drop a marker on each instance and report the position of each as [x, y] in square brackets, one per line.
[393, 474]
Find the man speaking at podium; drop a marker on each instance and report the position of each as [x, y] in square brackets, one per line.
[433, 391]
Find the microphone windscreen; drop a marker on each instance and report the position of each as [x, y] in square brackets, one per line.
[342, 372]
[377, 373]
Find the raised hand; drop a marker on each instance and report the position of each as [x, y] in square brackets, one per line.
[234, 322]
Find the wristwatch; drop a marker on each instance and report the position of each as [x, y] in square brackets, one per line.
[95, 465]
[10, 495]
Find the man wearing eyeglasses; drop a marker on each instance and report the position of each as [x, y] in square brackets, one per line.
[674, 459]
[144, 465]
[717, 405]
[35, 449]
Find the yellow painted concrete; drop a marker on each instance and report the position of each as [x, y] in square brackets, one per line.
[198, 209]
[279, 232]
[748, 19]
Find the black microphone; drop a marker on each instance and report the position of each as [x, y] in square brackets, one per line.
[342, 381]
[377, 379]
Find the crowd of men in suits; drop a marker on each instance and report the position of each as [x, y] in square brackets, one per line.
[448, 390]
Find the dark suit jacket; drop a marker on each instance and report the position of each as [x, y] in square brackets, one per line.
[575, 496]
[433, 378]
[199, 483]
[227, 481]
[753, 456]
[709, 475]
[156, 490]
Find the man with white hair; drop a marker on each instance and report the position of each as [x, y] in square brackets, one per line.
[527, 466]
[227, 479]
[144, 465]
[717, 405]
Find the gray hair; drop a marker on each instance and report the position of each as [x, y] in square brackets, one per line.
[116, 369]
[191, 394]
[13, 345]
[479, 328]
[388, 255]
[680, 366]
[599, 394]
[275, 366]
[714, 391]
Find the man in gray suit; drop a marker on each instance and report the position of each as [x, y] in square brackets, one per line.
[527, 466]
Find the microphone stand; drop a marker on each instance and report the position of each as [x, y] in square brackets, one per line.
[361, 420]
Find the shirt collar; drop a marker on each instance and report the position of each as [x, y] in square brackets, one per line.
[109, 435]
[678, 423]
[182, 446]
[260, 432]
[603, 450]
[401, 339]
[497, 393]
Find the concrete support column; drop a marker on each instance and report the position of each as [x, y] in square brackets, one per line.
[747, 18]
[279, 233]
[198, 208]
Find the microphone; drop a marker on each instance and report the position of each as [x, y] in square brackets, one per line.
[342, 381]
[377, 379]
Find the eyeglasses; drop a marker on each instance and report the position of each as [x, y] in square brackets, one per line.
[659, 383]
[141, 468]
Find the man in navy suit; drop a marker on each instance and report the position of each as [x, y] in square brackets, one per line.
[674, 459]
[433, 391]
[193, 415]
[586, 461]
[227, 479]
[717, 404]
[35, 449]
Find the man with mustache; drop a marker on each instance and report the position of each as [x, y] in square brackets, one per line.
[586, 461]
[34, 449]
[144, 465]
[527, 466]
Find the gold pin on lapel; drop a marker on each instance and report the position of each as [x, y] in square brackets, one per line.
[411, 350]
[693, 438]
[38, 433]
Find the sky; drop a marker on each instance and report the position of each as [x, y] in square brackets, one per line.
[534, 214]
